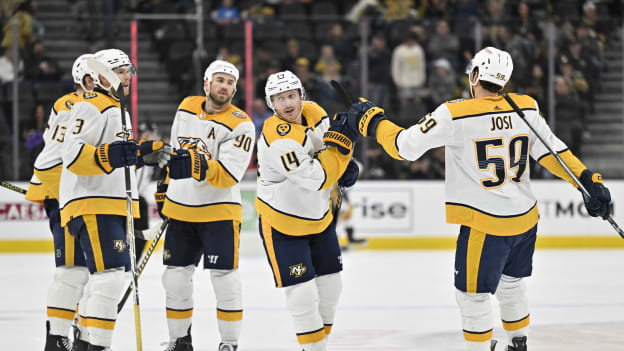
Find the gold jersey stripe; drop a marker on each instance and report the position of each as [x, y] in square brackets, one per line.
[94, 237]
[292, 225]
[36, 193]
[203, 213]
[334, 164]
[229, 316]
[502, 226]
[218, 176]
[478, 337]
[97, 205]
[312, 337]
[84, 164]
[515, 325]
[50, 178]
[267, 234]
[387, 134]
[576, 166]
[69, 248]
[476, 239]
[237, 226]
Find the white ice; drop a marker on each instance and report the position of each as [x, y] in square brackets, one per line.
[392, 300]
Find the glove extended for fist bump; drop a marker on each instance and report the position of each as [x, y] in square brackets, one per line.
[364, 116]
[341, 134]
[188, 163]
[118, 154]
[350, 175]
[599, 202]
[154, 153]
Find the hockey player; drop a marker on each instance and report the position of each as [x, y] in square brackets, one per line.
[215, 142]
[71, 273]
[300, 158]
[93, 199]
[487, 190]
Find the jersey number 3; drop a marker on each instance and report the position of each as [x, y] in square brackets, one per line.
[518, 158]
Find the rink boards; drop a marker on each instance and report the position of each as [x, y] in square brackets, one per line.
[392, 215]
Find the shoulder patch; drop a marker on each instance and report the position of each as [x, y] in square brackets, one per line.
[455, 101]
[238, 114]
[283, 129]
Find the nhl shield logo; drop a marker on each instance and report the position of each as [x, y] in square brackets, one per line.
[298, 270]
[119, 245]
[283, 129]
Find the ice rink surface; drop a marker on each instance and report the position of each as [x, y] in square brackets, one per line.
[392, 300]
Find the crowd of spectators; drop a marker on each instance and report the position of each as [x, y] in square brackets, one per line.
[417, 51]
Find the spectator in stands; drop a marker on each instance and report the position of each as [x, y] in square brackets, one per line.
[495, 13]
[575, 79]
[434, 10]
[590, 20]
[327, 60]
[443, 44]
[292, 54]
[537, 87]
[570, 115]
[262, 60]
[525, 24]
[227, 13]
[23, 14]
[6, 67]
[308, 79]
[442, 83]
[259, 114]
[409, 74]
[33, 133]
[396, 10]
[342, 46]
[40, 66]
[379, 60]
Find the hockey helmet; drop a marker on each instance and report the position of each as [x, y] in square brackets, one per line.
[220, 66]
[495, 66]
[80, 69]
[280, 82]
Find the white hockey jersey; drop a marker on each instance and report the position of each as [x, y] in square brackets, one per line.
[296, 173]
[487, 159]
[85, 187]
[49, 163]
[226, 139]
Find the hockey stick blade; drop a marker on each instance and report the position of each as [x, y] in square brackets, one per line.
[105, 72]
[344, 94]
[563, 164]
[10, 186]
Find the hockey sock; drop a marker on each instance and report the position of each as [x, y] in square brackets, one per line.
[63, 296]
[82, 311]
[104, 293]
[178, 284]
[302, 302]
[227, 289]
[514, 307]
[329, 288]
[476, 313]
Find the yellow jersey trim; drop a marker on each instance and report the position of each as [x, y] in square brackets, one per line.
[97, 205]
[334, 164]
[65, 102]
[84, 164]
[50, 178]
[202, 213]
[387, 134]
[492, 104]
[230, 118]
[36, 193]
[101, 101]
[218, 176]
[290, 224]
[267, 234]
[313, 114]
[276, 128]
[476, 239]
[552, 165]
[491, 224]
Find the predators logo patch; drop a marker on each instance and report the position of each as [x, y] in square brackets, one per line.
[69, 104]
[195, 143]
[238, 114]
[283, 129]
[297, 270]
[119, 245]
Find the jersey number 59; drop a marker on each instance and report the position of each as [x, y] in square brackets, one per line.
[518, 157]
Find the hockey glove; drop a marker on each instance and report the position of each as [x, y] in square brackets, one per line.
[599, 203]
[367, 116]
[350, 175]
[187, 163]
[118, 154]
[340, 134]
[161, 191]
[154, 153]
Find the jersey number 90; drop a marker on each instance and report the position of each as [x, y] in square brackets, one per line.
[518, 158]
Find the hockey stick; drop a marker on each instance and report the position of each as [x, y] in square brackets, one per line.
[116, 83]
[556, 155]
[346, 98]
[12, 187]
[146, 257]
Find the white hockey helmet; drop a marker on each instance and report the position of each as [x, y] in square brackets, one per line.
[495, 66]
[280, 82]
[220, 66]
[115, 58]
[80, 69]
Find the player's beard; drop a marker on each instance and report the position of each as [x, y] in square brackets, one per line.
[219, 101]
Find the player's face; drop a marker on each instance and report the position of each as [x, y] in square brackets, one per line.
[87, 81]
[124, 75]
[222, 88]
[288, 105]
